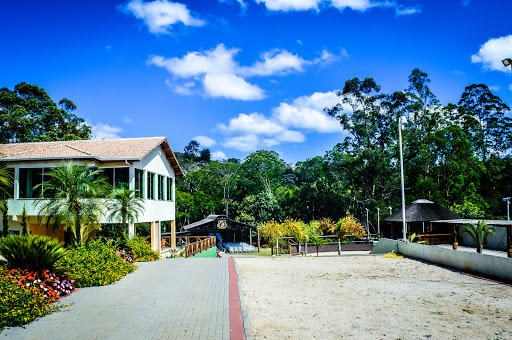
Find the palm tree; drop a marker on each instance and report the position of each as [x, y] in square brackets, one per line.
[348, 226]
[479, 233]
[125, 206]
[5, 190]
[271, 231]
[71, 197]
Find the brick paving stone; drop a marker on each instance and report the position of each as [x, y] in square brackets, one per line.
[166, 299]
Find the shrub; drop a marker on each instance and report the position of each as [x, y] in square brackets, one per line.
[141, 249]
[20, 304]
[96, 264]
[34, 253]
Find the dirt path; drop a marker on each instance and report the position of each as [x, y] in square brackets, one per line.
[370, 297]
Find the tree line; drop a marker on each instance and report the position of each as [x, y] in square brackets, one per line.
[457, 155]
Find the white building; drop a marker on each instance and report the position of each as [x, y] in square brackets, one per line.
[144, 164]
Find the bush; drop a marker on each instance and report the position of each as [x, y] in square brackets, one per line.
[19, 303]
[34, 253]
[141, 249]
[96, 264]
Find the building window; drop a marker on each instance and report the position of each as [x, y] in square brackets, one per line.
[151, 186]
[169, 189]
[161, 187]
[29, 179]
[117, 177]
[139, 183]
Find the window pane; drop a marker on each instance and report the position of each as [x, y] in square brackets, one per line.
[151, 185]
[122, 178]
[169, 188]
[47, 193]
[29, 178]
[139, 182]
[109, 175]
[161, 187]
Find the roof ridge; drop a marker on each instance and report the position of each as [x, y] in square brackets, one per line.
[77, 149]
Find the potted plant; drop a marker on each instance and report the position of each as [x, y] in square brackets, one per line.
[455, 241]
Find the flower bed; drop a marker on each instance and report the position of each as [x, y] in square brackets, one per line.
[26, 295]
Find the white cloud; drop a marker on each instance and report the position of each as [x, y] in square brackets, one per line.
[222, 76]
[307, 113]
[243, 143]
[290, 5]
[248, 132]
[254, 123]
[510, 87]
[291, 136]
[493, 52]
[204, 141]
[275, 62]
[184, 89]
[160, 15]
[230, 86]
[217, 60]
[105, 131]
[355, 5]
[363, 5]
[127, 120]
[218, 155]
[494, 88]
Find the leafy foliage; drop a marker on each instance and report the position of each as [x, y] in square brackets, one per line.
[96, 264]
[28, 114]
[126, 206]
[456, 155]
[71, 198]
[479, 233]
[34, 253]
[141, 249]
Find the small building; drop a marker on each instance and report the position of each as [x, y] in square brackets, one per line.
[418, 216]
[226, 229]
[147, 165]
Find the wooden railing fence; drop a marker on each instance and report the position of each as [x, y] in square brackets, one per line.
[196, 244]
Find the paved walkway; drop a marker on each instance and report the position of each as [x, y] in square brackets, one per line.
[166, 299]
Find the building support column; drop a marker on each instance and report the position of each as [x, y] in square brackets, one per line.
[509, 241]
[173, 235]
[156, 236]
[131, 230]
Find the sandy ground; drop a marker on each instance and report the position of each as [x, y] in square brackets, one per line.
[370, 297]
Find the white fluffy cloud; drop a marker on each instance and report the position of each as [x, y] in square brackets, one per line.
[243, 143]
[493, 52]
[307, 113]
[231, 86]
[275, 62]
[221, 75]
[204, 141]
[218, 155]
[289, 122]
[254, 123]
[355, 5]
[290, 5]
[217, 60]
[105, 131]
[160, 15]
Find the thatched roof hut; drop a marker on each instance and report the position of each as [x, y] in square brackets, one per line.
[423, 210]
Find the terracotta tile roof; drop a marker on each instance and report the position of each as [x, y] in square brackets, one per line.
[102, 150]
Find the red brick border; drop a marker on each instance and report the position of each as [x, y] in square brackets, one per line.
[236, 324]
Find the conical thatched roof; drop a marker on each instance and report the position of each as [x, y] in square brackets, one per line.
[423, 210]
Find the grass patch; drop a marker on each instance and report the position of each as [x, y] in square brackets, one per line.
[263, 252]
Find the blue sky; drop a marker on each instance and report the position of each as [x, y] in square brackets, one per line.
[242, 75]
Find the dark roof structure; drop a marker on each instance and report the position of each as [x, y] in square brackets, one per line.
[215, 223]
[423, 210]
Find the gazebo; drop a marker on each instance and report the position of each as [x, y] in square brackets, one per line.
[418, 216]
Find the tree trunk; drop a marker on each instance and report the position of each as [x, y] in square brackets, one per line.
[317, 249]
[339, 246]
[479, 249]
[277, 246]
